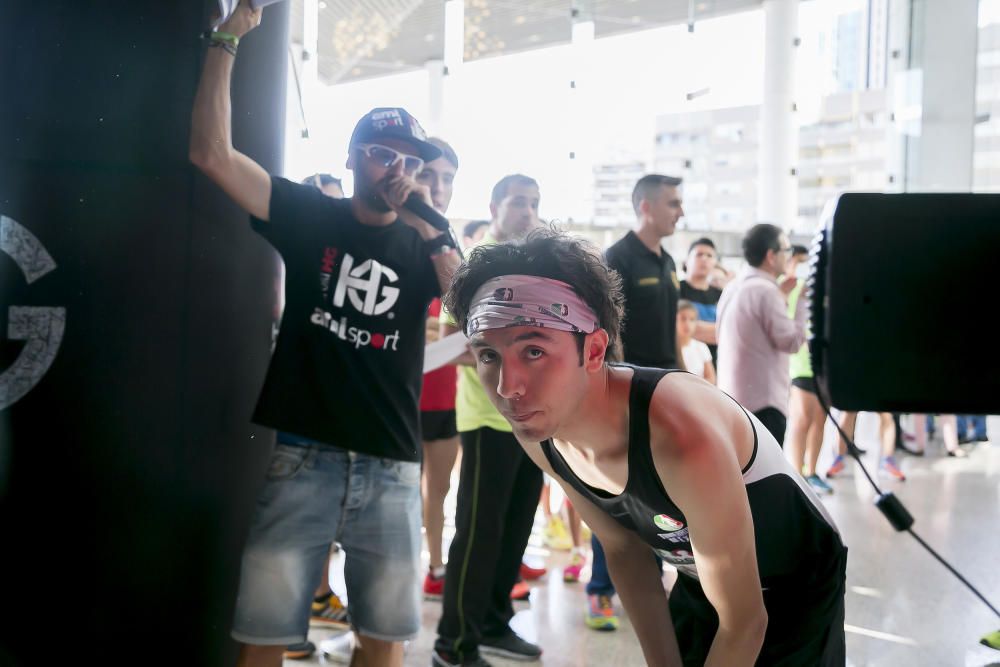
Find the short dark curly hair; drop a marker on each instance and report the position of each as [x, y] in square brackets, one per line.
[548, 253]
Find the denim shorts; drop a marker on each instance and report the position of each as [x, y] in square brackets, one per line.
[315, 495]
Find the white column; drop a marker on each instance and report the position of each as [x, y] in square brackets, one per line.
[777, 189]
[581, 119]
[948, 36]
[443, 75]
[902, 95]
[435, 97]
[309, 70]
[454, 34]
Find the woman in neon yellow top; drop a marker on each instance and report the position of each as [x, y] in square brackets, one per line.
[806, 418]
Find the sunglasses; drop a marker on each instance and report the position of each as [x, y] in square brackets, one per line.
[387, 157]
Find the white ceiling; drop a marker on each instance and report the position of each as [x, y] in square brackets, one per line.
[366, 38]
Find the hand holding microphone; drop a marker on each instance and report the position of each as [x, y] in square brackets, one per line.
[412, 202]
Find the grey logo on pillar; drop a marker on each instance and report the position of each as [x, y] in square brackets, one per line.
[40, 327]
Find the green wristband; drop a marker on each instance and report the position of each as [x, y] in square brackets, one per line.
[225, 37]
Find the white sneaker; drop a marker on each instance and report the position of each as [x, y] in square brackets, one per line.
[339, 648]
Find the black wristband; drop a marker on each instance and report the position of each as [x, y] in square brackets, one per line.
[434, 244]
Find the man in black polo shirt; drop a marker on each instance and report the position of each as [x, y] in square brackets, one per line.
[649, 338]
[344, 379]
[649, 275]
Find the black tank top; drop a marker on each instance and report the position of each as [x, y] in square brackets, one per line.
[796, 539]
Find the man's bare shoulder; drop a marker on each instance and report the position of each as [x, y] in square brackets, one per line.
[688, 414]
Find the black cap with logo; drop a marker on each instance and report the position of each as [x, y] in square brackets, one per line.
[397, 123]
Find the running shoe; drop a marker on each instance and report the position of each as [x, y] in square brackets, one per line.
[855, 450]
[433, 586]
[521, 591]
[958, 453]
[338, 649]
[818, 485]
[571, 573]
[511, 646]
[836, 468]
[991, 639]
[531, 573]
[442, 659]
[906, 449]
[556, 536]
[299, 651]
[329, 612]
[889, 466]
[601, 613]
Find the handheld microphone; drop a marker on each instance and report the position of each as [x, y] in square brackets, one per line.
[414, 204]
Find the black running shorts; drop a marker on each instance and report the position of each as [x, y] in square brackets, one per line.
[437, 425]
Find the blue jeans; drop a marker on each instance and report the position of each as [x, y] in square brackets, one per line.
[978, 422]
[315, 495]
[600, 579]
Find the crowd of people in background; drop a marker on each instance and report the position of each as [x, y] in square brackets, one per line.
[367, 448]
[755, 322]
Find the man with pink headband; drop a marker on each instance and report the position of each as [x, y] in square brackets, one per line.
[498, 489]
[657, 459]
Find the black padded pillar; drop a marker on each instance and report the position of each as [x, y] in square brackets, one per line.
[135, 322]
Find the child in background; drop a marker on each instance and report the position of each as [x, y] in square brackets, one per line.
[695, 354]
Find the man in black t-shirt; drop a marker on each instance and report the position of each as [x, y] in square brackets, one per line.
[345, 376]
[697, 288]
[649, 337]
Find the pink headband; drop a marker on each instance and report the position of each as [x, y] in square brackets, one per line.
[529, 301]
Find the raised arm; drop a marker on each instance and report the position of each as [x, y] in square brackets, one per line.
[698, 463]
[633, 571]
[211, 148]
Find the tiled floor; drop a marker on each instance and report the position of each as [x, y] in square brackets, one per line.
[903, 607]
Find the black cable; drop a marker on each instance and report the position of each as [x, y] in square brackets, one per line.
[953, 570]
[892, 508]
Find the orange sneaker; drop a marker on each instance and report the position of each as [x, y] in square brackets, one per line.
[836, 468]
[888, 465]
[521, 591]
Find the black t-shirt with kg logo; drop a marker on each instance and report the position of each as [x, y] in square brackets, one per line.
[348, 362]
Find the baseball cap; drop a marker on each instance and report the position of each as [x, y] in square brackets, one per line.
[397, 123]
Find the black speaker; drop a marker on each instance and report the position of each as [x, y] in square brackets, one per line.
[903, 288]
[135, 322]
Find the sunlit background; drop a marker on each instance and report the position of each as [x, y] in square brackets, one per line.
[587, 95]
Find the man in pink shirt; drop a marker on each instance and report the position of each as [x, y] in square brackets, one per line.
[755, 333]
